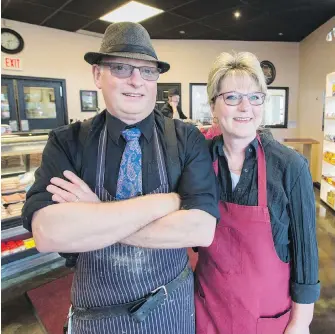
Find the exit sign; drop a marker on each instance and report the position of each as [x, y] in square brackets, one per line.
[12, 63]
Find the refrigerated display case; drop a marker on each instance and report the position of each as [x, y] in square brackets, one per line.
[20, 156]
[33, 104]
[327, 191]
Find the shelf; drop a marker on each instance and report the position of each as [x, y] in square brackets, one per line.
[325, 187]
[14, 232]
[330, 118]
[327, 183]
[329, 141]
[11, 222]
[29, 266]
[16, 171]
[18, 256]
[328, 163]
[13, 192]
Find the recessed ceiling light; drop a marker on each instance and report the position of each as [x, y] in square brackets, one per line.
[132, 11]
[237, 14]
[182, 32]
[280, 34]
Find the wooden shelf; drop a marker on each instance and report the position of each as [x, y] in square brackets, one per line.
[300, 141]
[330, 118]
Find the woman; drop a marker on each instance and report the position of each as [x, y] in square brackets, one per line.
[260, 275]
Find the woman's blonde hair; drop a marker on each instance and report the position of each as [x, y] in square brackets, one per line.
[231, 65]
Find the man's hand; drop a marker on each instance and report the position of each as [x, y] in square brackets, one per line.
[173, 105]
[294, 328]
[74, 190]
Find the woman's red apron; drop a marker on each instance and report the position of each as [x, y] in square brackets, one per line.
[242, 287]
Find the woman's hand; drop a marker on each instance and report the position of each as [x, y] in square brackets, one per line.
[294, 328]
[74, 190]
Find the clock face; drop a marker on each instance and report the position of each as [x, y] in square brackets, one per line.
[11, 41]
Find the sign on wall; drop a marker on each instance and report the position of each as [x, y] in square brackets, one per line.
[12, 63]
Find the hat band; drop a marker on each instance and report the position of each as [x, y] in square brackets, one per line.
[130, 48]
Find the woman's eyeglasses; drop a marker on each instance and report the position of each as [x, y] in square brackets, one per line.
[235, 98]
[123, 71]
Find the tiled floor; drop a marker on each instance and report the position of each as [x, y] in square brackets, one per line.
[18, 316]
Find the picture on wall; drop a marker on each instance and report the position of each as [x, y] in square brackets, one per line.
[276, 107]
[199, 107]
[89, 100]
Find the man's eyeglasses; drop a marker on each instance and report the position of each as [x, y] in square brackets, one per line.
[235, 98]
[123, 71]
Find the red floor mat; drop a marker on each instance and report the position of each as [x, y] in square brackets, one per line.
[51, 302]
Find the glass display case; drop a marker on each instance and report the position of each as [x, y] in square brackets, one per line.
[20, 156]
[32, 104]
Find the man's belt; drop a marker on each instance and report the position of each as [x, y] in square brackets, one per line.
[138, 309]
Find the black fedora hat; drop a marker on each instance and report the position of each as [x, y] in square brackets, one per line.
[127, 40]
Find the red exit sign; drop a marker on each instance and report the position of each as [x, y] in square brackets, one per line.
[12, 63]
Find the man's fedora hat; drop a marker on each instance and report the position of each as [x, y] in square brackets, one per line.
[127, 40]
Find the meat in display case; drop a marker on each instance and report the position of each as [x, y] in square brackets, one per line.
[21, 155]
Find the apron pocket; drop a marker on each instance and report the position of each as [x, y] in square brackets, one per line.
[275, 325]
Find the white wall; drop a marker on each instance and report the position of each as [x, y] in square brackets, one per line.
[59, 54]
[317, 59]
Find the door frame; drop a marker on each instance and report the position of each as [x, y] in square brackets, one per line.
[61, 81]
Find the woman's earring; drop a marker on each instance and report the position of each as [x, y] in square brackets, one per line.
[215, 120]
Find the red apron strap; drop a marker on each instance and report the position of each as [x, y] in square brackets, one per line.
[262, 191]
[216, 167]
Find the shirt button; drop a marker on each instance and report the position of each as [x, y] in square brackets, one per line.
[246, 170]
[239, 190]
[250, 150]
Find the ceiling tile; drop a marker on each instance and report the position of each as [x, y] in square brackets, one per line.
[200, 8]
[48, 3]
[192, 30]
[165, 4]
[67, 21]
[226, 18]
[98, 26]
[163, 22]
[26, 12]
[94, 9]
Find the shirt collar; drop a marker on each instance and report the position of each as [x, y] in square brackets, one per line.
[217, 145]
[116, 126]
[217, 148]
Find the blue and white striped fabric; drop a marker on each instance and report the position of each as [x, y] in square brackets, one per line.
[121, 273]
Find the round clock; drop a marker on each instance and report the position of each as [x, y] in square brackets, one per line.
[11, 41]
[269, 71]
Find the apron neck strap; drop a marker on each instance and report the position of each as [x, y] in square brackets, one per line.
[216, 167]
[262, 191]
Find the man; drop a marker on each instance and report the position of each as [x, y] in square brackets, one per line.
[171, 108]
[132, 273]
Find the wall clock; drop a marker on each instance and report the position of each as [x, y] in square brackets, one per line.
[11, 41]
[269, 71]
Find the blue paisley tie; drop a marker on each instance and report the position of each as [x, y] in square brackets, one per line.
[129, 183]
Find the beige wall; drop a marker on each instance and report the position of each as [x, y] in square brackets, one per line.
[59, 54]
[317, 59]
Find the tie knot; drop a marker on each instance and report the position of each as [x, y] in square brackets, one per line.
[131, 134]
